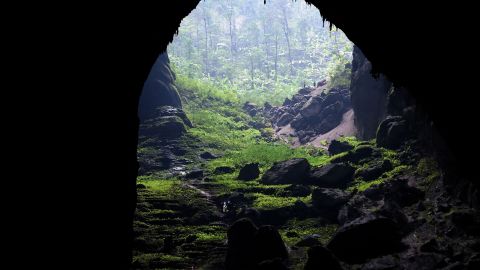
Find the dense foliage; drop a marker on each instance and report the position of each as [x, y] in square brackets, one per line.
[264, 52]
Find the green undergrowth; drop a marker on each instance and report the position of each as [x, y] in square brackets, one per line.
[167, 208]
[225, 129]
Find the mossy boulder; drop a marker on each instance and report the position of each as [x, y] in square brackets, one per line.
[292, 171]
[392, 132]
[248, 172]
[366, 237]
[337, 147]
[361, 153]
[164, 127]
[375, 170]
[334, 175]
[329, 201]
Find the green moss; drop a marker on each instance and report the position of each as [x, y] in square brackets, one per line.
[159, 185]
[295, 229]
[362, 185]
[267, 153]
[211, 236]
[158, 257]
[353, 141]
[265, 202]
[392, 155]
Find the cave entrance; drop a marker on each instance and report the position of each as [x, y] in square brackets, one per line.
[243, 86]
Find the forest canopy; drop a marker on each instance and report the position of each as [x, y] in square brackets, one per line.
[261, 52]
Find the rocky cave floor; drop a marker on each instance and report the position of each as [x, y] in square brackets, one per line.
[357, 206]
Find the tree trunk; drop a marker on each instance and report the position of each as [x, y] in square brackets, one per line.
[251, 72]
[267, 51]
[276, 56]
[287, 37]
[206, 45]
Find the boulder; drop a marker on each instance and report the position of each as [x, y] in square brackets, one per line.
[287, 102]
[367, 237]
[269, 245]
[329, 121]
[306, 90]
[299, 122]
[392, 132]
[284, 119]
[337, 147]
[333, 96]
[335, 175]
[250, 108]
[293, 171]
[173, 111]
[208, 155]
[402, 192]
[321, 258]
[194, 174]
[249, 246]
[240, 252]
[329, 201]
[249, 172]
[360, 153]
[223, 170]
[375, 171]
[357, 206]
[296, 191]
[312, 107]
[164, 127]
[309, 241]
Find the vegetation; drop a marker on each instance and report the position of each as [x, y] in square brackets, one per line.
[262, 52]
[222, 125]
[221, 62]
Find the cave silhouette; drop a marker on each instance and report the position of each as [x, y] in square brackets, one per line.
[114, 47]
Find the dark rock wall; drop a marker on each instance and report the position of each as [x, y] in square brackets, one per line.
[414, 46]
[369, 96]
[110, 50]
[159, 89]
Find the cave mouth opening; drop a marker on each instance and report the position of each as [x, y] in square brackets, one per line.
[248, 115]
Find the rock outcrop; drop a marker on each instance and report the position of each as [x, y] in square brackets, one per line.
[311, 112]
[159, 89]
[369, 96]
[166, 122]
